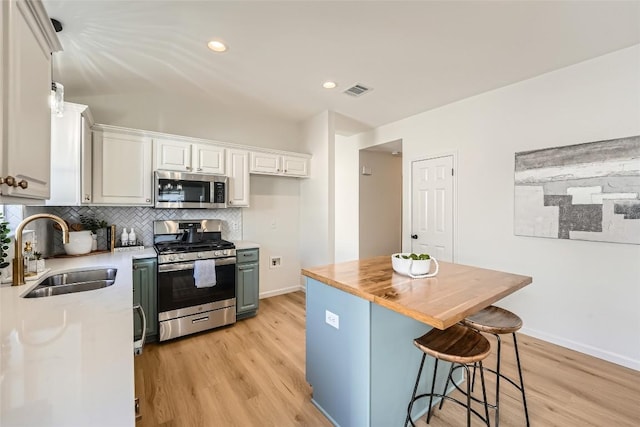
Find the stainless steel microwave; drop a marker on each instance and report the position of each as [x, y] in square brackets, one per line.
[179, 190]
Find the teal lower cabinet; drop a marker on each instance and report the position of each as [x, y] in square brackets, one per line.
[145, 294]
[247, 283]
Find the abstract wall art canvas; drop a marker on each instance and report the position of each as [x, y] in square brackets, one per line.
[581, 192]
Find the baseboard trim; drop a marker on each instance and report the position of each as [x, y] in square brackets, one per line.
[281, 291]
[584, 348]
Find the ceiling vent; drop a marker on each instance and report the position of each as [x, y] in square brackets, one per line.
[357, 90]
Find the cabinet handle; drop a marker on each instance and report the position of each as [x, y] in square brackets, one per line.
[23, 184]
[188, 168]
[230, 202]
[87, 198]
[199, 169]
[148, 200]
[285, 171]
[10, 181]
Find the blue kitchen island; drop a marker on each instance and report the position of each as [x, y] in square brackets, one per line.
[362, 319]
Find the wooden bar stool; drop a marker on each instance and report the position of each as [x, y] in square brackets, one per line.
[459, 345]
[498, 321]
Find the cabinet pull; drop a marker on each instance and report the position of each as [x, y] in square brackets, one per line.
[188, 168]
[148, 200]
[23, 184]
[87, 198]
[230, 202]
[10, 181]
[200, 319]
[199, 169]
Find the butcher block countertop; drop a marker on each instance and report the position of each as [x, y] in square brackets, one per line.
[455, 293]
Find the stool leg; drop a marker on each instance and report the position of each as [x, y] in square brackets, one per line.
[524, 399]
[413, 396]
[433, 387]
[468, 380]
[446, 385]
[484, 392]
[498, 380]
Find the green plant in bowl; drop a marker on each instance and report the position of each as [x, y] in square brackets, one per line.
[4, 242]
[89, 222]
[414, 257]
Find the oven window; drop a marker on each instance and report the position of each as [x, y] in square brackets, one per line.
[171, 190]
[177, 289]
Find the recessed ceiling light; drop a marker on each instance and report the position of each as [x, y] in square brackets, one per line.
[329, 85]
[217, 46]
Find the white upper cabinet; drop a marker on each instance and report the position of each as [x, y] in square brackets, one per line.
[279, 164]
[122, 169]
[185, 156]
[238, 167]
[71, 157]
[27, 39]
[295, 166]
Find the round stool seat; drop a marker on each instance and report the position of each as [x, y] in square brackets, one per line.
[494, 320]
[457, 344]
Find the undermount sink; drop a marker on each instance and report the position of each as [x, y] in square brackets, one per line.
[74, 281]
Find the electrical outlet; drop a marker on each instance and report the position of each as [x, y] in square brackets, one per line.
[332, 319]
[235, 226]
[275, 262]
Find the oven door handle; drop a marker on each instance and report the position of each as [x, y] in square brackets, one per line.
[181, 266]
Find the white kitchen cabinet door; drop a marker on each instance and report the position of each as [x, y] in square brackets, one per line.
[238, 166]
[208, 159]
[27, 43]
[295, 166]
[279, 164]
[122, 169]
[70, 157]
[265, 163]
[172, 155]
[86, 164]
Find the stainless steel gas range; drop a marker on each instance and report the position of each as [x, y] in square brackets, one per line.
[196, 277]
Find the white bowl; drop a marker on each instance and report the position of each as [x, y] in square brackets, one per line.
[409, 267]
[79, 243]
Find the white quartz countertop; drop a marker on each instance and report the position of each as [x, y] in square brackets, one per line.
[245, 244]
[67, 360]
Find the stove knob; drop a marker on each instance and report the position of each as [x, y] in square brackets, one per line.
[199, 255]
[181, 256]
[171, 257]
[217, 253]
[225, 252]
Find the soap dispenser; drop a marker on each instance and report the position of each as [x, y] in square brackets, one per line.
[132, 237]
[124, 237]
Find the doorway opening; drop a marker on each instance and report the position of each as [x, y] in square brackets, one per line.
[380, 170]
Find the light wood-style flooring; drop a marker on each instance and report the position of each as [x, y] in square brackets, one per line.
[252, 374]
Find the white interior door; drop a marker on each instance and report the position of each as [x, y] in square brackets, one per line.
[432, 207]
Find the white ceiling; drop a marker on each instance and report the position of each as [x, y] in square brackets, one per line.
[416, 55]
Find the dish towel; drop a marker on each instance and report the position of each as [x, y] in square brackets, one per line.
[204, 273]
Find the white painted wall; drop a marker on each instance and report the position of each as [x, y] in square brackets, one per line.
[193, 115]
[346, 206]
[380, 204]
[273, 221]
[585, 294]
[317, 235]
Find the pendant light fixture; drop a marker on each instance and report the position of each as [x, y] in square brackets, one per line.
[56, 100]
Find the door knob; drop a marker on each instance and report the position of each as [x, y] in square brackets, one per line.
[414, 236]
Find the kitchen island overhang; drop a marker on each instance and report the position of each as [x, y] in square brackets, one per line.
[362, 371]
